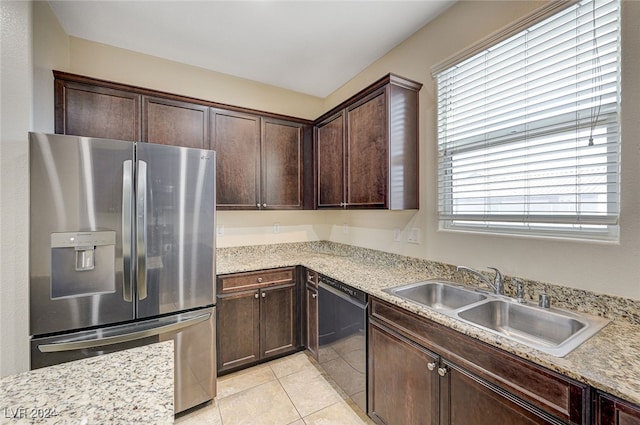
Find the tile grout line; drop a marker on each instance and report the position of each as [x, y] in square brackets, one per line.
[287, 394]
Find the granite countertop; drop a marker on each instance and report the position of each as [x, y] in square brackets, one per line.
[609, 361]
[131, 386]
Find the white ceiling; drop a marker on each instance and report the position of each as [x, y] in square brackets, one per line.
[312, 47]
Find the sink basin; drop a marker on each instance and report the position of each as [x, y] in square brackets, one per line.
[553, 331]
[438, 295]
[556, 332]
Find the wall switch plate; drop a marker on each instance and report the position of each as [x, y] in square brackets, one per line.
[414, 235]
[276, 227]
[345, 228]
[220, 229]
[396, 234]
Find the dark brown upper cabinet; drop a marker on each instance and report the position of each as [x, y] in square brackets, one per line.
[330, 161]
[170, 122]
[261, 157]
[84, 109]
[263, 167]
[282, 164]
[236, 139]
[367, 148]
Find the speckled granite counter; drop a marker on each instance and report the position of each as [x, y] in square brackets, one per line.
[609, 361]
[126, 387]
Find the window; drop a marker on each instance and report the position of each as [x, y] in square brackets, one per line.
[528, 130]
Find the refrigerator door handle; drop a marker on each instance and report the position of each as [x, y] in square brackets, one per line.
[141, 229]
[116, 339]
[127, 292]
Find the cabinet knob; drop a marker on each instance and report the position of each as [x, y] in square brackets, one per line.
[442, 371]
[264, 205]
[258, 205]
[314, 296]
[259, 280]
[431, 366]
[255, 295]
[264, 295]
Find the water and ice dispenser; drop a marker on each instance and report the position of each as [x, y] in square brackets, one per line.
[82, 263]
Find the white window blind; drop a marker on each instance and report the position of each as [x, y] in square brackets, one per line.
[528, 130]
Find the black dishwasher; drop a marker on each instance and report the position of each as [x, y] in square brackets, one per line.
[342, 334]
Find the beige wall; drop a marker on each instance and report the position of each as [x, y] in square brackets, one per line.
[33, 43]
[50, 51]
[607, 268]
[124, 66]
[16, 88]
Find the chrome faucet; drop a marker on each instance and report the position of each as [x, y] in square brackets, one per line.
[497, 285]
[519, 290]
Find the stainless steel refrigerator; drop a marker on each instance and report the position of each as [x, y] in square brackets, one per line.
[121, 254]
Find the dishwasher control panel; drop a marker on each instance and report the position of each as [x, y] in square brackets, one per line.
[344, 288]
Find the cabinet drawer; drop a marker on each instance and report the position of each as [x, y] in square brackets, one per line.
[559, 395]
[255, 280]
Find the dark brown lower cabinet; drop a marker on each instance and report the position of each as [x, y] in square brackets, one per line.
[311, 299]
[467, 400]
[310, 315]
[402, 388]
[610, 410]
[421, 372]
[257, 317]
[277, 320]
[238, 326]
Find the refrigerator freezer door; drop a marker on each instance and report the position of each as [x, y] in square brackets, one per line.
[175, 222]
[194, 338]
[75, 249]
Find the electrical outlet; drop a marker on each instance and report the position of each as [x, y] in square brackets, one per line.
[276, 227]
[414, 235]
[220, 229]
[396, 234]
[345, 228]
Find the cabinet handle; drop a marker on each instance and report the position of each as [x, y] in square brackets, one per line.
[431, 366]
[259, 280]
[264, 295]
[255, 295]
[442, 371]
[314, 296]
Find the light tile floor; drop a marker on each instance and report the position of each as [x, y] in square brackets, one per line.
[292, 390]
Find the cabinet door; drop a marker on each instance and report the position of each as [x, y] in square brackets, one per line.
[277, 320]
[312, 320]
[468, 400]
[168, 122]
[402, 388]
[367, 152]
[236, 139]
[281, 165]
[94, 111]
[330, 162]
[610, 410]
[238, 336]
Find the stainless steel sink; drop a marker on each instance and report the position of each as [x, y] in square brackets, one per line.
[553, 331]
[438, 295]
